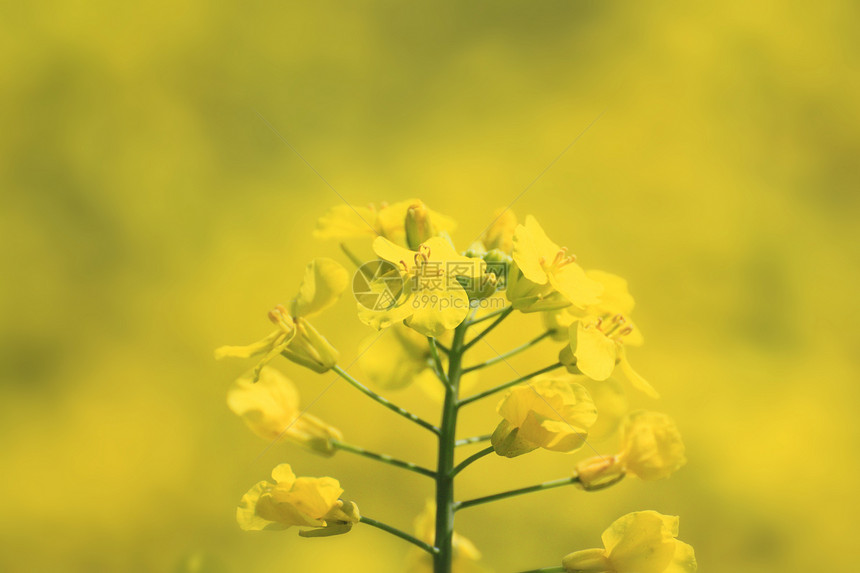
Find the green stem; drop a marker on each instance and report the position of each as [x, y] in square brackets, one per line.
[502, 316]
[351, 256]
[382, 458]
[445, 462]
[558, 569]
[472, 440]
[532, 488]
[507, 385]
[488, 316]
[508, 354]
[401, 534]
[505, 494]
[473, 458]
[384, 401]
[437, 361]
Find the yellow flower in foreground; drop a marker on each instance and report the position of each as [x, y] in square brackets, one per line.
[599, 334]
[433, 301]
[291, 501]
[465, 555]
[639, 542]
[547, 413]
[295, 337]
[546, 267]
[389, 221]
[271, 409]
[651, 449]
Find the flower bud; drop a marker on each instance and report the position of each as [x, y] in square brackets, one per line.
[598, 471]
[310, 349]
[419, 227]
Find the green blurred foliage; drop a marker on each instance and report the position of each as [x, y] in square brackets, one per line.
[149, 215]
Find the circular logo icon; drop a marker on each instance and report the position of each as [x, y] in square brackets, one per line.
[377, 285]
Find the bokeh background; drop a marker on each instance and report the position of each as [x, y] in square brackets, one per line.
[149, 215]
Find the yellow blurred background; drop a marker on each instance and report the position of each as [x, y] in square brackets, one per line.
[149, 215]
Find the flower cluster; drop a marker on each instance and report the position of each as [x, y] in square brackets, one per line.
[428, 296]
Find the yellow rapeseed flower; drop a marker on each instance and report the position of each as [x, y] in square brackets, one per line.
[545, 276]
[547, 413]
[600, 333]
[304, 502]
[433, 300]
[295, 337]
[651, 449]
[639, 542]
[270, 408]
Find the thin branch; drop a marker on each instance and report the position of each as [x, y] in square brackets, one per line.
[488, 316]
[384, 401]
[502, 316]
[401, 534]
[471, 459]
[472, 440]
[383, 458]
[508, 354]
[507, 385]
[532, 488]
[437, 361]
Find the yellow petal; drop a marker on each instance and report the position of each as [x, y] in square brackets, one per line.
[266, 407]
[254, 349]
[571, 281]
[641, 542]
[684, 560]
[392, 253]
[626, 372]
[283, 475]
[433, 314]
[246, 513]
[313, 496]
[595, 352]
[651, 445]
[323, 283]
[531, 248]
[615, 298]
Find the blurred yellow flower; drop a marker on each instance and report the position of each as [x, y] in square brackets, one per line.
[389, 221]
[465, 555]
[599, 333]
[500, 234]
[547, 413]
[434, 301]
[296, 338]
[394, 359]
[639, 542]
[271, 408]
[651, 449]
[545, 268]
[291, 501]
